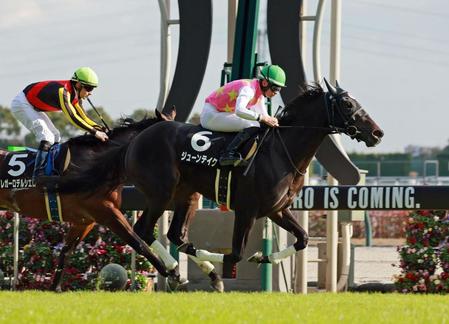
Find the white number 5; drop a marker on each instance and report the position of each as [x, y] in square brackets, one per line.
[14, 162]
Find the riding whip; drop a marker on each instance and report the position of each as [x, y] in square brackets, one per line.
[99, 115]
[258, 146]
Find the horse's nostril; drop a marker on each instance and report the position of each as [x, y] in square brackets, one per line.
[378, 133]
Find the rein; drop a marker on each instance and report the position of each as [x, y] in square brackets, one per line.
[330, 103]
[303, 173]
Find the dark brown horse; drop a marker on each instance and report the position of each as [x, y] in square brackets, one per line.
[154, 162]
[18, 193]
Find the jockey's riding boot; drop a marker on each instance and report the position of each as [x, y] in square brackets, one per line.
[231, 157]
[41, 158]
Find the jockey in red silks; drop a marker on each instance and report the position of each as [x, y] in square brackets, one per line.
[239, 106]
[30, 105]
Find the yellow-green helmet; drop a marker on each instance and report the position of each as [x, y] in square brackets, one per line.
[86, 76]
[273, 74]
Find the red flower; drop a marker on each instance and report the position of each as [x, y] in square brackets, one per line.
[411, 276]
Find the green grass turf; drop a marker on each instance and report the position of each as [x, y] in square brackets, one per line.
[102, 307]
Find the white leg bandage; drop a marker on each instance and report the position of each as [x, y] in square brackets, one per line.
[277, 257]
[169, 262]
[205, 266]
[204, 255]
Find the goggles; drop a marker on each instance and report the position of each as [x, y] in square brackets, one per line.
[88, 88]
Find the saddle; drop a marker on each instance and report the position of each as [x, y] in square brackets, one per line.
[204, 147]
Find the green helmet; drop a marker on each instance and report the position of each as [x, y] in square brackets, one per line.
[86, 76]
[274, 74]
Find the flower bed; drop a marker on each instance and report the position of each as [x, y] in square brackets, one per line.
[424, 259]
[40, 243]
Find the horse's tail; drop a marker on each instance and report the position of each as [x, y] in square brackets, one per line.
[103, 173]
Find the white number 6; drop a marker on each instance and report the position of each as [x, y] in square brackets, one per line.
[14, 162]
[200, 136]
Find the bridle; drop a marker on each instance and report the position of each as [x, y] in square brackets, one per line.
[332, 101]
[333, 104]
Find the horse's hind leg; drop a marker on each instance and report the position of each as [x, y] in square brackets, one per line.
[115, 220]
[75, 234]
[178, 234]
[287, 221]
[243, 223]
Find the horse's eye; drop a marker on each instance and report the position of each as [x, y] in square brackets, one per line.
[347, 103]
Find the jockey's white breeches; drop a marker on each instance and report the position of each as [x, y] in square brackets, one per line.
[36, 122]
[215, 120]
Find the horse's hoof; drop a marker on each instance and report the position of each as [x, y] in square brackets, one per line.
[217, 285]
[57, 289]
[258, 257]
[175, 283]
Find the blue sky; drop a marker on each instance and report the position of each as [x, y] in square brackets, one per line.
[394, 57]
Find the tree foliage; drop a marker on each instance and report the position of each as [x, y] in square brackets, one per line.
[8, 123]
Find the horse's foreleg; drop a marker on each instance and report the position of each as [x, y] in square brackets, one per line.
[243, 224]
[75, 234]
[287, 221]
[178, 234]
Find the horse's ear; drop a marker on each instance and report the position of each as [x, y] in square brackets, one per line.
[173, 112]
[330, 87]
[339, 89]
[158, 114]
[167, 115]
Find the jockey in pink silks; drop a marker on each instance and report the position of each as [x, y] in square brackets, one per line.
[239, 106]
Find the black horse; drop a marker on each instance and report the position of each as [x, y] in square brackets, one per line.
[80, 211]
[153, 163]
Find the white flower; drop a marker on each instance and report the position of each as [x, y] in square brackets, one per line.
[437, 282]
[420, 260]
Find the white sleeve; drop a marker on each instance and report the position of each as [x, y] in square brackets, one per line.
[241, 104]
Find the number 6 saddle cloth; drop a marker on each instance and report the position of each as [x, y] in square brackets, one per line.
[204, 147]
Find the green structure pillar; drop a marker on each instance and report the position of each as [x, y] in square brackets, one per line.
[243, 60]
[243, 67]
[267, 243]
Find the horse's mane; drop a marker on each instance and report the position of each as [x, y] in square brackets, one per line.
[124, 125]
[306, 92]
